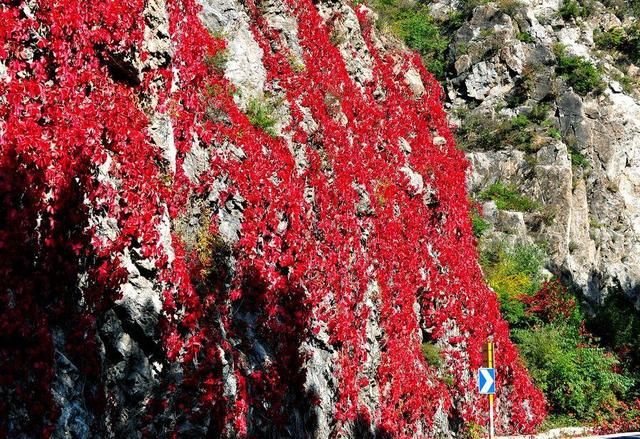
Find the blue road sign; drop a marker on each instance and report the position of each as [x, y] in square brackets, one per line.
[487, 380]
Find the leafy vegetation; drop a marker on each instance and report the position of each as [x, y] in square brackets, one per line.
[432, 355]
[415, 25]
[509, 7]
[625, 41]
[261, 114]
[217, 61]
[580, 379]
[572, 9]
[618, 326]
[611, 39]
[578, 159]
[579, 73]
[513, 273]
[485, 132]
[479, 224]
[507, 197]
[623, 8]
[525, 37]
[576, 377]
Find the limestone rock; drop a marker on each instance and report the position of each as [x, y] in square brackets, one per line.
[586, 182]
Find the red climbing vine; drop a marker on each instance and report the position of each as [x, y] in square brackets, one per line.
[357, 219]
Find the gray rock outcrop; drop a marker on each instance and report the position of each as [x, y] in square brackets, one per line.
[581, 164]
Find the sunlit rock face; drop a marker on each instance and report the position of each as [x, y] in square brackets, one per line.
[504, 65]
[234, 219]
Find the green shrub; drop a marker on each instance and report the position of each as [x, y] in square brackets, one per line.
[432, 354]
[513, 274]
[479, 224]
[486, 133]
[578, 159]
[611, 39]
[454, 20]
[507, 197]
[525, 37]
[509, 7]
[573, 9]
[520, 121]
[467, 6]
[629, 85]
[617, 323]
[623, 8]
[261, 114]
[579, 73]
[527, 259]
[625, 41]
[570, 9]
[632, 43]
[419, 31]
[417, 28]
[576, 378]
[538, 113]
[217, 61]
[554, 132]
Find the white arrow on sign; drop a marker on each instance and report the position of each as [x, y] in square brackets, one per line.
[488, 381]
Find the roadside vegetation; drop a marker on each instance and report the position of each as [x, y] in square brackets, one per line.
[584, 357]
[584, 363]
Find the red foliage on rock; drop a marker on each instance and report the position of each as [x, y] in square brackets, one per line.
[84, 186]
[551, 302]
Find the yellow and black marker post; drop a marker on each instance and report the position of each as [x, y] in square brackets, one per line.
[490, 363]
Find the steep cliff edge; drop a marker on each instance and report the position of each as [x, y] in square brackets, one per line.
[234, 219]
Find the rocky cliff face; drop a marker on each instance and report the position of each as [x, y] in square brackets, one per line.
[580, 160]
[244, 219]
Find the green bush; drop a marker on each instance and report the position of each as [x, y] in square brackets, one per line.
[573, 9]
[554, 132]
[611, 39]
[570, 9]
[623, 8]
[538, 113]
[525, 37]
[578, 159]
[520, 121]
[486, 133]
[479, 224]
[467, 6]
[509, 7]
[576, 378]
[419, 31]
[417, 28]
[579, 73]
[625, 41]
[432, 354]
[632, 43]
[618, 324]
[507, 197]
[261, 114]
[513, 273]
